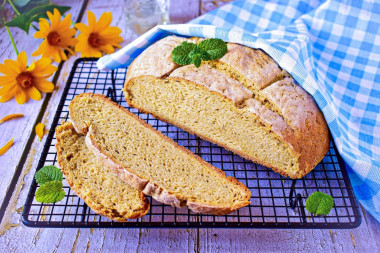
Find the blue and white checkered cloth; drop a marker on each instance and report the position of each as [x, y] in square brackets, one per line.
[332, 49]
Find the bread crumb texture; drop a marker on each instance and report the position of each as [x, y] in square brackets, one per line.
[160, 167]
[243, 102]
[102, 191]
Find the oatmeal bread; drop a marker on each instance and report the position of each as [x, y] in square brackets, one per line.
[103, 192]
[243, 102]
[152, 162]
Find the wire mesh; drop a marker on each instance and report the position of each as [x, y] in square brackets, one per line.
[276, 202]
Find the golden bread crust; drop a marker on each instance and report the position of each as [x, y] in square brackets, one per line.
[273, 97]
[145, 184]
[65, 131]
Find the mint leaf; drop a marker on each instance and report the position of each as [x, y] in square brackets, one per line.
[47, 174]
[215, 48]
[319, 203]
[50, 192]
[197, 55]
[180, 53]
[209, 49]
[197, 61]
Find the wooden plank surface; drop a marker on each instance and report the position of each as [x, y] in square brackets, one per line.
[21, 128]
[14, 237]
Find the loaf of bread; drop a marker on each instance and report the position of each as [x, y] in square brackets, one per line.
[101, 190]
[152, 162]
[243, 102]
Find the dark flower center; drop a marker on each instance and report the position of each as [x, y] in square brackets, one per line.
[25, 79]
[53, 38]
[94, 40]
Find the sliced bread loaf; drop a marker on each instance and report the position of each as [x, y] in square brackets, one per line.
[243, 102]
[152, 162]
[103, 192]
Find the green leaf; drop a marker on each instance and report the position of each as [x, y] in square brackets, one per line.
[21, 22]
[47, 174]
[50, 192]
[32, 4]
[21, 3]
[319, 203]
[40, 11]
[24, 20]
[215, 48]
[180, 54]
[197, 61]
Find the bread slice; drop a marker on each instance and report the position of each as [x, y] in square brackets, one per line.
[103, 192]
[152, 162]
[243, 102]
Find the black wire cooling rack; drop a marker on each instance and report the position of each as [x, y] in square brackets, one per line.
[276, 202]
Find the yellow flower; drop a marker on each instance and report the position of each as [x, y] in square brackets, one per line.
[97, 37]
[25, 82]
[57, 37]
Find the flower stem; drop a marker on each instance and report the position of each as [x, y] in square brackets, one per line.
[14, 7]
[18, 13]
[10, 37]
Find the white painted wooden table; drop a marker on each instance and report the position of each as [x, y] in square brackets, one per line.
[18, 166]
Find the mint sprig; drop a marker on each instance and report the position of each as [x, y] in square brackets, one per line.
[189, 53]
[51, 188]
[50, 192]
[319, 203]
[180, 53]
[47, 174]
[215, 48]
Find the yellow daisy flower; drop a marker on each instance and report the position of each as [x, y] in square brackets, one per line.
[58, 36]
[24, 82]
[97, 37]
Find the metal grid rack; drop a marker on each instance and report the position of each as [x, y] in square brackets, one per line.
[276, 202]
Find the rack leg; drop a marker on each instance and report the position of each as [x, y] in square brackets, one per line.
[293, 200]
[111, 92]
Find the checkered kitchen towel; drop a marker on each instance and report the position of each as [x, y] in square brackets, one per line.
[332, 49]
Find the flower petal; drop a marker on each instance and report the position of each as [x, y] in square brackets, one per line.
[33, 93]
[43, 85]
[81, 46]
[6, 147]
[10, 68]
[44, 68]
[7, 89]
[57, 16]
[111, 32]
[64, 24]
[41, 49]
[82, 28]
[31, 66]
[56, 56]
[44, 27]
[9, 93]
[40, 127]
[10, 117]
[22, 60]
[6, 97]
[103, 22]
[107, 48]
[21, 97]
[7, 81]
[91, 20]
[62, 55]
